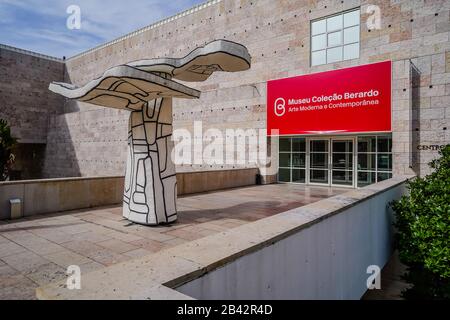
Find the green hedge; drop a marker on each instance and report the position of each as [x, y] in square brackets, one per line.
[423, 232]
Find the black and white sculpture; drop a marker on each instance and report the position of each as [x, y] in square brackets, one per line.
[146, 88]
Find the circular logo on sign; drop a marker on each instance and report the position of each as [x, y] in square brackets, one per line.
[280, 107]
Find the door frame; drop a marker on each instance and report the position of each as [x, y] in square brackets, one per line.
[308, 161]
[354, 161]
[330, 140]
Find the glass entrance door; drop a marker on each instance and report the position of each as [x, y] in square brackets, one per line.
[331, 161]
[319, 161]
[342, 162]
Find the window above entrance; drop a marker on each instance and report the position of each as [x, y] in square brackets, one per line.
[335, 38]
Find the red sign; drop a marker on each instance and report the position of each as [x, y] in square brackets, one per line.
[356, 99]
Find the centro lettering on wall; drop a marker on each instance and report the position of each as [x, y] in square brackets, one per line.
[350, 100]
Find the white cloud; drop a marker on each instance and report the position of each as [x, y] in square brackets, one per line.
[101, 21]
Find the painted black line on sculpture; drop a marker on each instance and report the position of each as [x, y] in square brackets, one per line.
[175, 193]
[163, 137]
[165, 162]
[130, 141]
[159, 169]
[165, 85]
[134, 192]
[200, 56]
[120, 81]
[115, 84]
[142, 92]
[153, 111]
[170, 176]
[173, 214]
[145, 172]
[105, 94]
[154, 196]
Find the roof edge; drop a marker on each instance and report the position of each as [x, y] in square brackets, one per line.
[30, 53]
[149, 27]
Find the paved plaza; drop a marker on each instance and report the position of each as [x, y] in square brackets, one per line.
[35, 251]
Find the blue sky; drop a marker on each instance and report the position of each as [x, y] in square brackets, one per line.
[40, 25]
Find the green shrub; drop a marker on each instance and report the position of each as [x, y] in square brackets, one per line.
[7, 143]
[423, 232]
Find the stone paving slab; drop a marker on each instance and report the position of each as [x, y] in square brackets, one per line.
[138, 253]
[37, 250]
[108, 257]
[47, 273]
[92, 236]
[67, 258]
[125, 237]
[17, 287]
[6, 271]
[90, 266]
[10, 248]
[25, 261]
[117, 246]
[149, 245]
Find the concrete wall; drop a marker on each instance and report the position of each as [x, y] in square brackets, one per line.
[55, 195]
[327, 260]
[277, 34]
[197, 182]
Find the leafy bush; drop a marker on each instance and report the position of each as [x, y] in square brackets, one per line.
[423, 232]
[7, 142]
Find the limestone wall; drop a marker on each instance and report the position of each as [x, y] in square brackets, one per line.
[91, 140]
[25, 101]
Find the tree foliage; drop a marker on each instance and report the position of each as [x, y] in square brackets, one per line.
[7, 143]
[423, 232]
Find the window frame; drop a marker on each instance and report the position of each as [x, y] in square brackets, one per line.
[376, 170]
[291, 153]
[326, 33]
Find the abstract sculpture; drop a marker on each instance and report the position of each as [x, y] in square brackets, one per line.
[146, 88]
